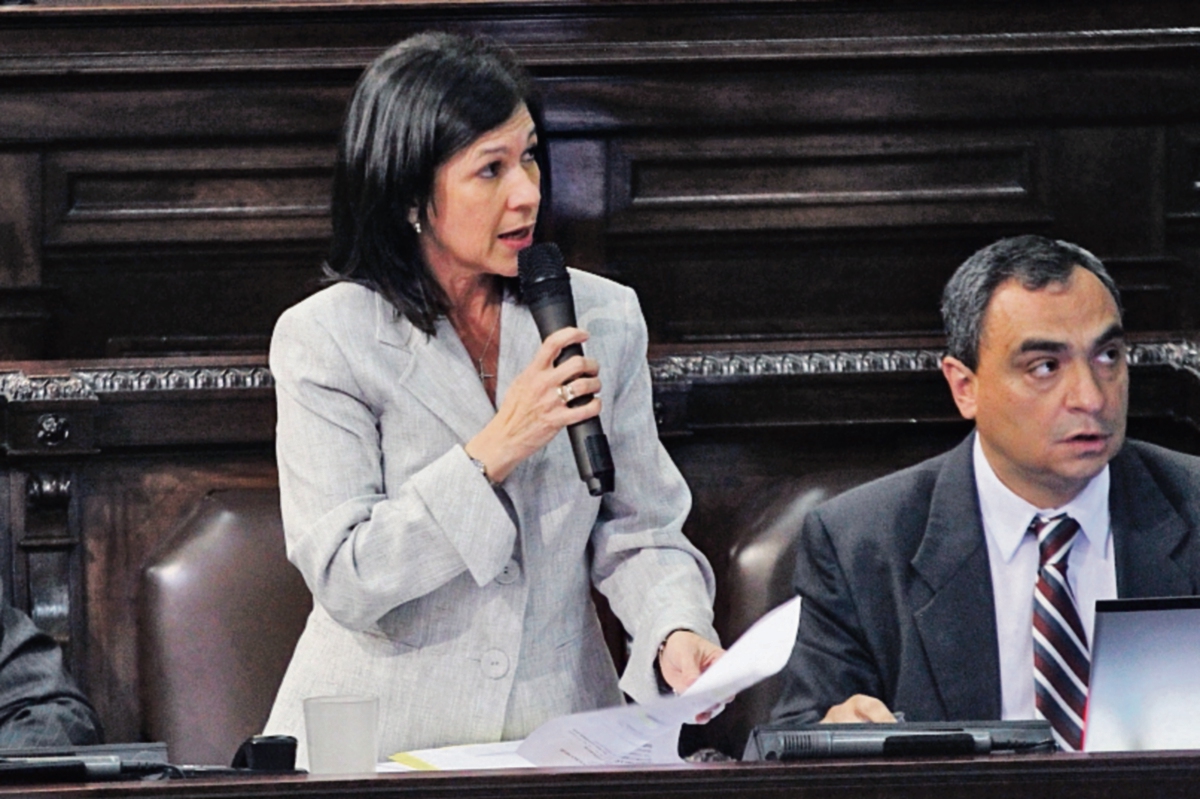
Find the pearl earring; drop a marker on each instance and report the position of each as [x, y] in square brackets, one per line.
[417, 226]
[414, 220]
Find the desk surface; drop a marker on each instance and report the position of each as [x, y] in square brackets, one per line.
[1161, 775]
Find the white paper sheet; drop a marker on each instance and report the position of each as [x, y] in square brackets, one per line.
[648, 733]
[629, 734]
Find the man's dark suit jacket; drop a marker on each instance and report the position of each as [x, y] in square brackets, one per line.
[39, 703]
[898, 600]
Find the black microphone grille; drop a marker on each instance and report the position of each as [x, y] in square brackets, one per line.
[542, 272]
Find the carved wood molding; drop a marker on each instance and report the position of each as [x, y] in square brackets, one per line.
[15, 386]
[87, 384]
[108, 381]
[94, 407]
[612, 49]
[718, 366]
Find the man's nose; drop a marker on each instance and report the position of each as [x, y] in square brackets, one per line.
[1085, 391]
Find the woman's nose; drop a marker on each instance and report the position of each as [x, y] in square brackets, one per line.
[527, 190]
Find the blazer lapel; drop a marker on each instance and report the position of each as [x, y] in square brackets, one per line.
[1147, 532]
[439, 373]
[519, 342]
[955, 609]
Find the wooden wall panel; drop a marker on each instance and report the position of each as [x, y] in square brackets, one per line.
[20, 233]
[803, 146]
[804, 182]
[81, 517]
[787, 185]
[228, 194]
[186, 249]
[24, 311]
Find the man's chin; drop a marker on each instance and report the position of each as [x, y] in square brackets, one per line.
[1083, 466]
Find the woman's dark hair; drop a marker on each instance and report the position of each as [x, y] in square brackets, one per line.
[415, 107]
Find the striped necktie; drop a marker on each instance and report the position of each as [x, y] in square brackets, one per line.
[1060, 650]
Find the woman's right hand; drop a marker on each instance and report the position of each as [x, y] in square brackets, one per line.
[533, 410]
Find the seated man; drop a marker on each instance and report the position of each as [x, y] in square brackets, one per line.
[964, 587]
[39, 704]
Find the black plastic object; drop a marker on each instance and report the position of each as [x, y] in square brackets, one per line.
[267, 753]
[546, 289]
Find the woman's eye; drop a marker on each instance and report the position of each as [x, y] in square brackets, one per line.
[530, 154]
[491, 170]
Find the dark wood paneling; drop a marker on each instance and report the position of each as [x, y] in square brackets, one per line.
[101, 461]
[20, 233]
[776, 153]
[773, 285]
[23, 302]
[801, 182]
[197, 298]
[231, 194]
[786, 184]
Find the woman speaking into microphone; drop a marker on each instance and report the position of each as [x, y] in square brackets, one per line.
[430, 495]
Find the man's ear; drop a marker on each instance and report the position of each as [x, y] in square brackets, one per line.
[962, 385]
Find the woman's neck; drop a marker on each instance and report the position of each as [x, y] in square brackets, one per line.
[475, 315]
[472, 300]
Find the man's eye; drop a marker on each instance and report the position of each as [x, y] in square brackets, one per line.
[1043, 368]
[1110, 356]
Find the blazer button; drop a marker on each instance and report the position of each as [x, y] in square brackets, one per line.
[510, 573]
[495, 664]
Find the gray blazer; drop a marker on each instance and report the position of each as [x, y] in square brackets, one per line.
[467, 610]
[39, 703]
[898, 591]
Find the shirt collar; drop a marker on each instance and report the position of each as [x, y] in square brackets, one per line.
[1007, 516]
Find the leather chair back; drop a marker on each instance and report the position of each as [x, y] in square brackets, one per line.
[758, 577]
[221, 609]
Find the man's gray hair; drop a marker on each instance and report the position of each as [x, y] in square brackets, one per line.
[1034, 261]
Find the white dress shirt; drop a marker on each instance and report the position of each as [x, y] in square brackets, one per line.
[1013, 555]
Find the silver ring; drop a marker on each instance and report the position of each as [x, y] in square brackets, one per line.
[566, 393]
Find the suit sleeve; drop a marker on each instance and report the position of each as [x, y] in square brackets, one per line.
[365, 548]
[39, 704]
[654, 578]
[831, 660]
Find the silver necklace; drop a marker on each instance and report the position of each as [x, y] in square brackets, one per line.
[483, 375]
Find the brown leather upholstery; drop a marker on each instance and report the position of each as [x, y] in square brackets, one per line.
[221, 609]
[758, 577]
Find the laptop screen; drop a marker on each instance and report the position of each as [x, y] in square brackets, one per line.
[1144, 690]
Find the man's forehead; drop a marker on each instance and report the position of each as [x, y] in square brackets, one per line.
[1080, 308]
[1034, 343]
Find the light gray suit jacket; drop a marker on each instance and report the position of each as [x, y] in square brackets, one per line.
[898, 591]
[468, 610]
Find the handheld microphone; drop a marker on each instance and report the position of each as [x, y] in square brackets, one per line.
[546, 288]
